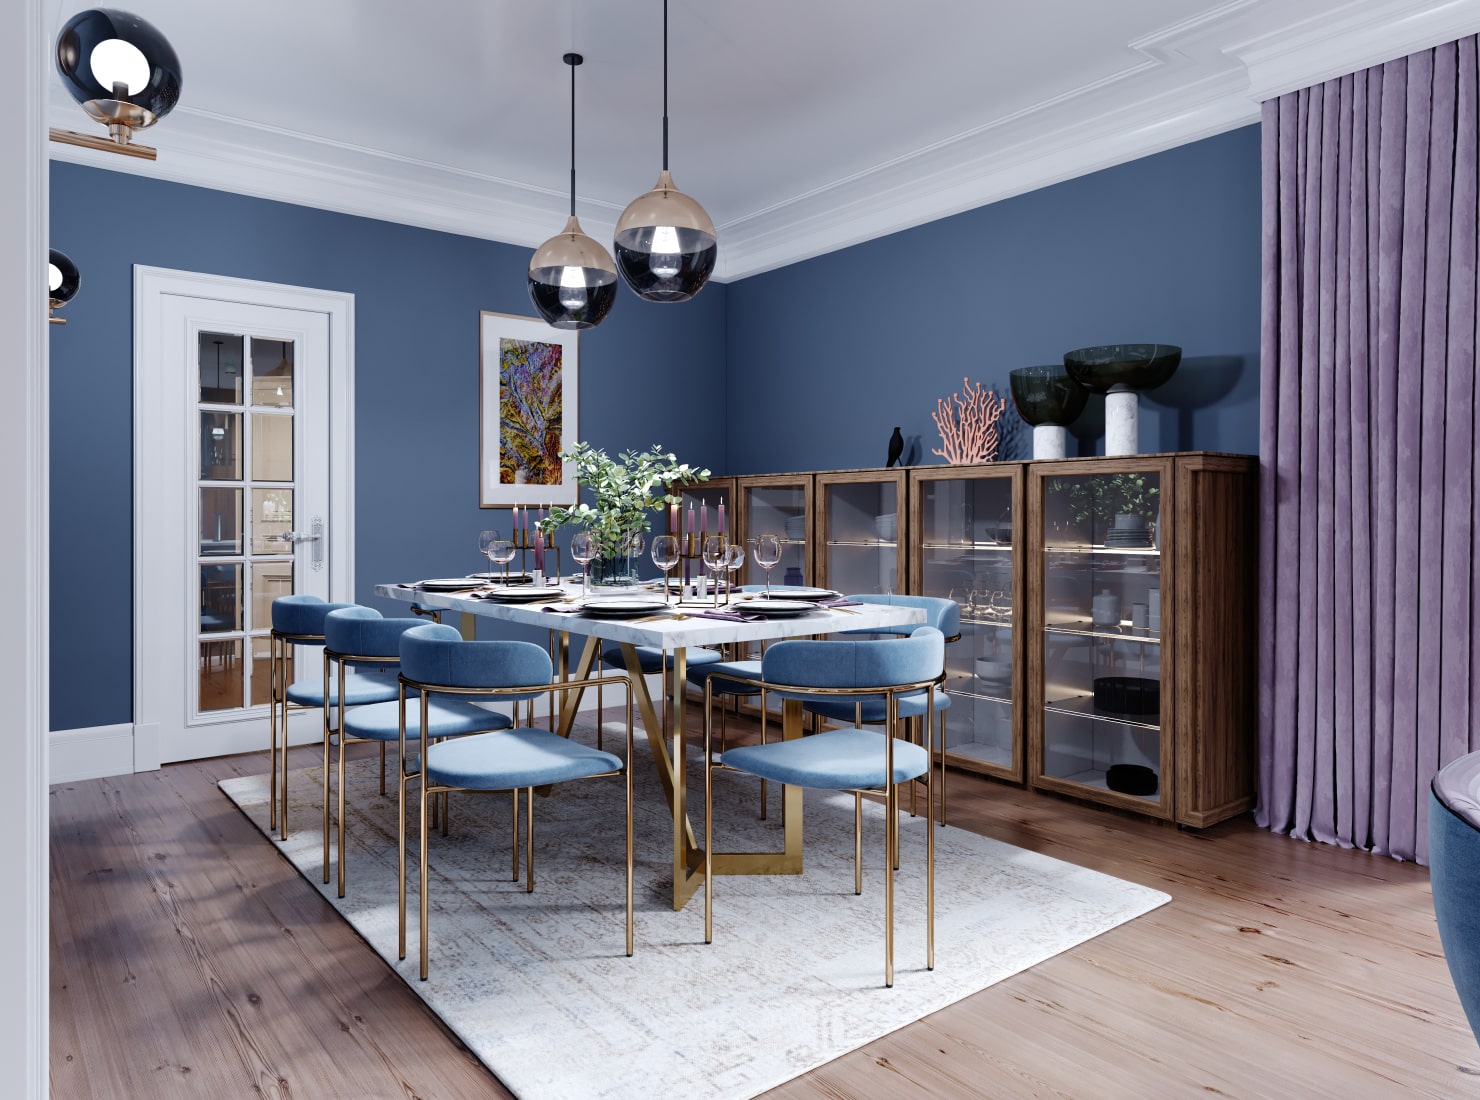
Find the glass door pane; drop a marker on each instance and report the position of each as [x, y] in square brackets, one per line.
[779, 510]
[245, 494]
[860, 540]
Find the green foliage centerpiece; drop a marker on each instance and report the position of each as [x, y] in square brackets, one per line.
[626, 490]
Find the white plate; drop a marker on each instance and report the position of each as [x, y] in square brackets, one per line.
[451, 582]
[764, 606]
[801, 592]
[621, 607]
[518, 593]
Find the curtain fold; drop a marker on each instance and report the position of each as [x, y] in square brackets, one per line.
[1369, 593]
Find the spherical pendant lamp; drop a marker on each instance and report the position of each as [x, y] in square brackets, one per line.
[62, 281]
[119, 67]
[572, 279]
[665, 242]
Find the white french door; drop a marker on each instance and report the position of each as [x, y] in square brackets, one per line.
[241, 496]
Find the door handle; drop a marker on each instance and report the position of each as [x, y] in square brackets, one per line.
[294, 536]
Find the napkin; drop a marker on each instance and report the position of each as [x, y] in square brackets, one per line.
[841, 602]
[731, 616]
[563, 610]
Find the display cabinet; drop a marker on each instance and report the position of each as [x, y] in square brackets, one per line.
[861, 525]
[1140, 582]
[963, 523]
[781, 505]
[706, 507]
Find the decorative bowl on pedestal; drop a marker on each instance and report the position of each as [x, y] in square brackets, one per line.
[1050, 400]
[1119, 371]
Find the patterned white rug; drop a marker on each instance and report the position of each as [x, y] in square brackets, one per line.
[537, 985]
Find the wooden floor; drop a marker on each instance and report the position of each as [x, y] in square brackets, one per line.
[189, 959]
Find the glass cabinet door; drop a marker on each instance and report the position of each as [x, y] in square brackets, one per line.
[1101, 614]
[707, 508]
[964, 528]
[780, 505]
[859, 516]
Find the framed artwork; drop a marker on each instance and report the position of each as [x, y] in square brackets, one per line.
[528, 397]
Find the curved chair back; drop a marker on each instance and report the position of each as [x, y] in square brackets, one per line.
[917, 659]
[1454, 871]
[301, 618]
[363, 632]
[941, 613]
[436, 656]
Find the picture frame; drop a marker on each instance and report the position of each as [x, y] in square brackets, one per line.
[528, 397]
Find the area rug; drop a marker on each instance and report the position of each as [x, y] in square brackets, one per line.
[538, 987]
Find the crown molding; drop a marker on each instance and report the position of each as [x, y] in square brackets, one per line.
[1182, 82]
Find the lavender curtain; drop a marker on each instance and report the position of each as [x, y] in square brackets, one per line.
[1369, 601]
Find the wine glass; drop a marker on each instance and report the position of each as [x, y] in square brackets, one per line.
[714, 558]
[734, 559]
[767, 551]
[583, 550]
[501, 552]
[486, 539]
[665, 557]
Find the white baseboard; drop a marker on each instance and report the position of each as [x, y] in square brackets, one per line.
[94, 752]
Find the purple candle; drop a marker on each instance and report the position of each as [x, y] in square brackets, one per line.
[723, 530]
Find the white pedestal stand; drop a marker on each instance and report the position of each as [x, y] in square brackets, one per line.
[1050, 441]
[1122, 427]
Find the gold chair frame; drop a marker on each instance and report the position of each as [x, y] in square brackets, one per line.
[892, 693]
[425, 689]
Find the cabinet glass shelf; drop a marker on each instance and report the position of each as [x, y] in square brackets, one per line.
[1124, 634]
[1083, 706]
[1119, 551]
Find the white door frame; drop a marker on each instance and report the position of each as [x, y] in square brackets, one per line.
[154, 400]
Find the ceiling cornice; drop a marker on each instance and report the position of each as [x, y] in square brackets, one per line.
[1183, 83]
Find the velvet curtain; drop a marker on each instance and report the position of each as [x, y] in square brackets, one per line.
[1369, 601]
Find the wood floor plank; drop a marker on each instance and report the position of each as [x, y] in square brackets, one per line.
[190, 959]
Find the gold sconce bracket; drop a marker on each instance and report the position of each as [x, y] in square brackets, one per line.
[107, 144]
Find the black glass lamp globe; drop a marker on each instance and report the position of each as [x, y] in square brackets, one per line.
[1047, 395]
[572, 280]
[62, 279]
[665, 244]
[119, 67]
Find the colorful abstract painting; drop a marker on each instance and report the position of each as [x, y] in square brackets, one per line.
[527, 410]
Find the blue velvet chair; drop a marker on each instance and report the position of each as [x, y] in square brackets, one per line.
[945, 616]
[652, 661]
[435, 660]
[1454, 871]
[359, 637]
[299, 621]
[883, 673]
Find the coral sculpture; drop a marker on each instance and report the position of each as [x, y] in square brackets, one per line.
[968, 429]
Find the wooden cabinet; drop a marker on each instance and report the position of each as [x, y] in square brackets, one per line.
[781, 505]
[962, 530]
[1140, 664]
[859, 522]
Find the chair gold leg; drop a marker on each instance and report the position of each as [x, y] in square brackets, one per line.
[446, 811]
[930, 848]
[339, 827]
[516, 835]
[529, 841]
[891, 795]
[857, 842]
[328, 742]
[401, 862]
[423, 899]
[272, 732]
[382, 768]
[708, 815]
[942, 769]
[628, 770]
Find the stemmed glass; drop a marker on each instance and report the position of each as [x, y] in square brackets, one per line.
[583, 550]
[665, 557]
[714, 559]
[501, 552]
[734, 559]
[485, 540]
[767, 551]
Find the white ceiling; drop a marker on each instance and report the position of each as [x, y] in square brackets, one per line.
[801, 125]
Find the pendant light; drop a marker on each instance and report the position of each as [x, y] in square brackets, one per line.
[122, 71]
[62, 281]
[665, 242]
[572, 280]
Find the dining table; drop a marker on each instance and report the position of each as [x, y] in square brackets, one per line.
[676, 627]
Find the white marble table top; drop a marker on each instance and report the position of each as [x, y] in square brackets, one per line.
[670, 633]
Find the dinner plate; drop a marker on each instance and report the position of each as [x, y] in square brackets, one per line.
[622, 607]
[451, 582]
[801, 592]
[518, 593]
[763, 606]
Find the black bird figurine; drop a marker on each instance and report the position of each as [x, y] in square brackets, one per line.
[896, 447]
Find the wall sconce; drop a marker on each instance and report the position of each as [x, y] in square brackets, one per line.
[62, 280]
[123, 72]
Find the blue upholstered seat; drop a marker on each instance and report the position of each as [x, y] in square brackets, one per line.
[445, 718]
[515, 758]
[302, 616]
[838, 760]
[359, 688]
[1454, 871]
[720, 671]
[844, 759]
[941, 613]
[440, 663]
[654, 660]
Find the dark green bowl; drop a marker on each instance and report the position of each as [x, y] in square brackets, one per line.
[1134, 366]
[1046, 395]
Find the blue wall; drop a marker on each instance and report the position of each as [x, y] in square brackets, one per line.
[826, 356]
[417, 298]
[812, 365]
